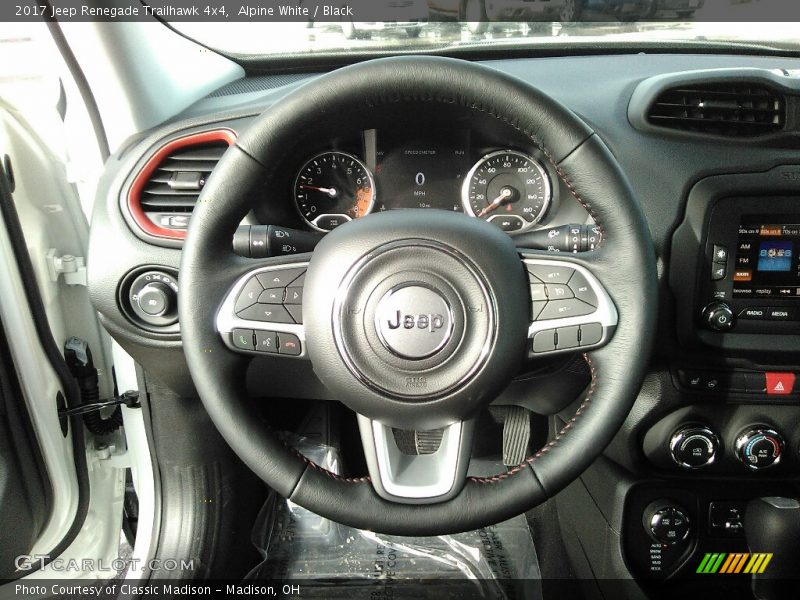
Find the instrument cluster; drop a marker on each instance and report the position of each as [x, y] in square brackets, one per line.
[511, 188]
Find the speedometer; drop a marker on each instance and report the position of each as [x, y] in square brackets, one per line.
[333, 188]
[509, 189]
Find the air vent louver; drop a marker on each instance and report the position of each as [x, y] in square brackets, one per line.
[729, 109]
[178, 181]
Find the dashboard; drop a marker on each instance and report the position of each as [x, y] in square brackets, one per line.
[718, 419]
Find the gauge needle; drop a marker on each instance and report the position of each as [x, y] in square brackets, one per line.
[504, 193]
[330, 191]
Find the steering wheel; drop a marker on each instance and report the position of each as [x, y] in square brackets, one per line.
[417, 319]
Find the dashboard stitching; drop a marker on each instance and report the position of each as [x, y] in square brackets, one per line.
[559, 436]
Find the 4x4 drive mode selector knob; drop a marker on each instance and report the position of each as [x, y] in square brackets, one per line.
[694, 446]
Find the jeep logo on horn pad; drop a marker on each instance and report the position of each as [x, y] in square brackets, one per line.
[413, 321]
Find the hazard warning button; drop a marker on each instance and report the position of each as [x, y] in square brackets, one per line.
[780, 384]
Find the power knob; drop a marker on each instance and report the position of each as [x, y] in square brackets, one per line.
[718, 316]
[694, 446]
[759, 448]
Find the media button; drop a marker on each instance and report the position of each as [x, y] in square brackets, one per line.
[775, 313]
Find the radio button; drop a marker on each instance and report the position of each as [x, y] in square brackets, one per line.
[758, 313]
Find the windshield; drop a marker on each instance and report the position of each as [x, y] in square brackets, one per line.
[291, 38]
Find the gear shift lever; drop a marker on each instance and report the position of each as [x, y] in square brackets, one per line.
[772, 525]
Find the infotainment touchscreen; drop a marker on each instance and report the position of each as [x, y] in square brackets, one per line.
[767, 262]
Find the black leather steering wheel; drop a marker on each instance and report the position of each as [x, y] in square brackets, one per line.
[459, 282]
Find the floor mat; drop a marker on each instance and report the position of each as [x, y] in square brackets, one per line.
[330, 560]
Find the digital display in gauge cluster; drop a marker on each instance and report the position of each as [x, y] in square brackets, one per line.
[436, 170]
[423, 173]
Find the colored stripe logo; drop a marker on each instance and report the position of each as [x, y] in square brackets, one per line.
[724, 563]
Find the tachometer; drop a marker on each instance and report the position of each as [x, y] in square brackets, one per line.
[507, 188]
[333, 188]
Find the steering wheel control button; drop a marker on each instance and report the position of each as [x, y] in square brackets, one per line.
[582, 289]
[567, 337]
[296, 310]
[249, 294]
[551, 274]
[591, 334]
[558, 291]
[694, 446]
[668, 525]
[266, 313]
[280, 278]
[266, 341]
[538, 293]
[294, 295]
[289, 344]
[544, 341]
[243, 339]
[271, 296]
[779, 384]
[759, 448]
[561, 309]
[413, 321]
[536, 309]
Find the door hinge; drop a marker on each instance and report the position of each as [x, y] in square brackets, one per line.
[72, 267]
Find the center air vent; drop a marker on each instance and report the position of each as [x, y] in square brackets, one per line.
[729, 109]
[165, 192]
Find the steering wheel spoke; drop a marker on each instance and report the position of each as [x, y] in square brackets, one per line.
[262, 313]
[426, 477]
[570, 309]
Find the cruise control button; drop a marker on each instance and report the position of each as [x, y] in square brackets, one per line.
[280, 277]
[271, 296]
[560, 309]
[267, 313]
[289, 343]
[537, 292]
[536, 309]
[558, 291]
[567, 337]
[249, 294]
[294, 295]
[243, 338]
[551, 274]
[266, 341]
[544, 341]
[591, 333]
[296, 310]
[582, 290]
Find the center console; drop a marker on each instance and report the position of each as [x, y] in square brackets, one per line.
[727, 427]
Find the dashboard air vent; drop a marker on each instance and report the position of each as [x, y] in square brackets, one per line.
[165, 191]
[729, 109]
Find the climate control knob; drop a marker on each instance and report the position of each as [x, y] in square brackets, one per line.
[694, 446]
[759, 448]
[718, 316]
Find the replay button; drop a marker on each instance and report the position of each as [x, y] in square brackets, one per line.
[413, 321]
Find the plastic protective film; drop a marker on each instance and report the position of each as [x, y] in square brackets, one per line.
[335, 561]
